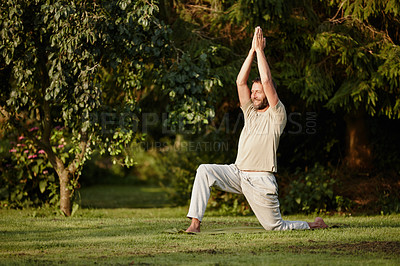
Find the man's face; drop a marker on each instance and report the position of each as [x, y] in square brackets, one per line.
[258, 96]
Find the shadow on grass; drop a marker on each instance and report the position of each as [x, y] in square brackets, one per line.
[123, 196]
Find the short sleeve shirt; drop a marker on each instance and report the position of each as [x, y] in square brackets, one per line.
[259, 138]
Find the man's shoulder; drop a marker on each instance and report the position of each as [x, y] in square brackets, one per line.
[278, 108]
[247, 105]
[278, 105]
[248, 109]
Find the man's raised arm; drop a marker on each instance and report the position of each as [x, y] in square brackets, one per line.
[243, 76]
[263, 68]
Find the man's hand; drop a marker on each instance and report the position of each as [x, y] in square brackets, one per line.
[259, 41]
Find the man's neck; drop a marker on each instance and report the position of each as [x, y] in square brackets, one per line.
[263, 110]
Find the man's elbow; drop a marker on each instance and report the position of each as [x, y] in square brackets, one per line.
[266, 81]
[240, 82]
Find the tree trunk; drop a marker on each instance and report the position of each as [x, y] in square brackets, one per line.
[358, 148]
[65, 193]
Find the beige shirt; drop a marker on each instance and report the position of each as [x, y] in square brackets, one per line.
[259, 138]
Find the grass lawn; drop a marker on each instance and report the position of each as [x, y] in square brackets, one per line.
[102, 234]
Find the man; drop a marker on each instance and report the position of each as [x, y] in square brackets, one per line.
[252, 174]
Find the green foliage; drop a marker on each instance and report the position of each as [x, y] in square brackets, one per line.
[364, 10]
[363, 60]
[259, 12]
[229, 203]
[312, 191]
[195, 30]
[190, 80]
[389, 201]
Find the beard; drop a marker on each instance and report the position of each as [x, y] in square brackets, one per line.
[263, 104]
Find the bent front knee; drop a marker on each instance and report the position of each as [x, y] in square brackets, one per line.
[203, 175]
[203, 168]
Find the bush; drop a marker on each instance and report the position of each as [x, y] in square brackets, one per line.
[388, 199]
[313, 191]
[229, 203]
[28, 179]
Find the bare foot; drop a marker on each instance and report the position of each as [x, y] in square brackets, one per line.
[318, 224]
[194, 226]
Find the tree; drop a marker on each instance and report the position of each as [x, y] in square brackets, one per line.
[80, 65]
[355, 66]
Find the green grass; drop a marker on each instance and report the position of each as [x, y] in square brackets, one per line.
[137, 236]
[123, 196]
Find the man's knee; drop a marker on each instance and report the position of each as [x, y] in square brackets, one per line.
[270, 218]
[276, 225]
[203, 174]
[203, 169]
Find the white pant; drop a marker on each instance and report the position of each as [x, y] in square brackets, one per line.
[259, 188]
